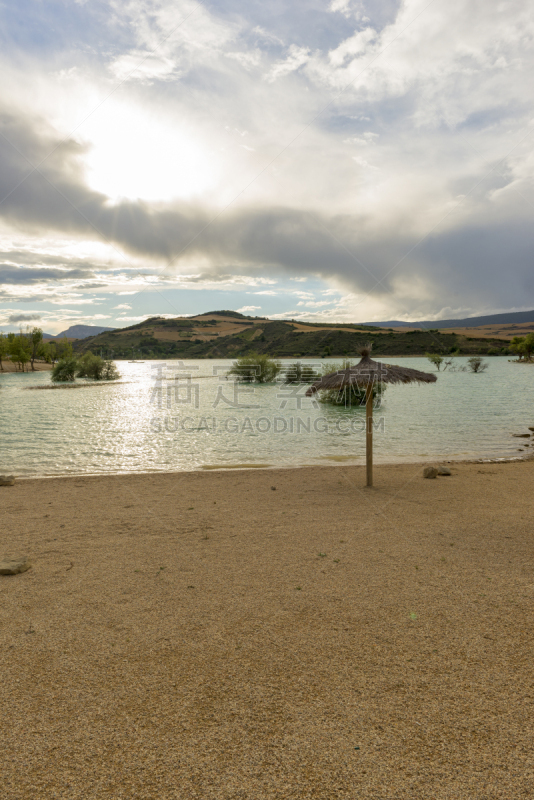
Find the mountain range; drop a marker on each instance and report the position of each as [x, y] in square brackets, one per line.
[511, 318]
[78, 332]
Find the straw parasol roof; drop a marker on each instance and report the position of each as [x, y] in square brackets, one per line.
[368, 372]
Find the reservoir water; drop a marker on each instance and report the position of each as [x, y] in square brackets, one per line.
[168, 416]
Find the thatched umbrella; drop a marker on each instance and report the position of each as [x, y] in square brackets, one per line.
[366, 373]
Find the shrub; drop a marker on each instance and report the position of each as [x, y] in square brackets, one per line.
[88, 365]
[64, 370]
[477, 364]
[97, 368]
[435, 360]
[255, 368]
[110, 371]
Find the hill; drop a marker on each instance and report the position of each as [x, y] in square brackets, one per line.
[220, 334]
[78, 332]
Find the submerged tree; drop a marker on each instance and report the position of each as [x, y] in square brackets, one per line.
[300, 373]
[65, 370]
[477, 364]
[97, 368]
[255, 368]
[435, 359]
[88, 366]
[523, 346]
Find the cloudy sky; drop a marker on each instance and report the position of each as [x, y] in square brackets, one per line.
[336, 160]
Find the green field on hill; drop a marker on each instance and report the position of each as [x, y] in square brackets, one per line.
[206, 336]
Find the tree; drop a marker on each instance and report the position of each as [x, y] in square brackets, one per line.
[64, 348]
[19, 349]
[255, 368]
[517, 346]
[35, 338]
[48, 351]
[4, 349]
[528, 345]
[435, 359]
[477, 364]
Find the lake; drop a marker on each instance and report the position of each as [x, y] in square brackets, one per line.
[145, 423]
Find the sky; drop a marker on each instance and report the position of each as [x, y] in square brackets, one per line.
[337, 161]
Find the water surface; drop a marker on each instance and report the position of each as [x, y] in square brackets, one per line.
[142, 424]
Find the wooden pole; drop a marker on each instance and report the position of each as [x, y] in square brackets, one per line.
[369, 433]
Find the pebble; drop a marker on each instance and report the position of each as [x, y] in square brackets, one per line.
[12, 566]
[442, 470]
[7, 480]
[430, 472]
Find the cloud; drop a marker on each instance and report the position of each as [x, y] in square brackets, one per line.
[16, 318]
[31, 275]
[248, 309]
[296, 58]
[399, 164]
[139, 318]
[351, 249]
[124, 306]
[314, 303]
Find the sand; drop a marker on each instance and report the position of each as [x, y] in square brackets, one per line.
[9, 366]
[270, 634]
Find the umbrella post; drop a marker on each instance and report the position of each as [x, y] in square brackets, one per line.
[369, 432]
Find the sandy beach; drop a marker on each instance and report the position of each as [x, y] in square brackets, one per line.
[39, 366]
[270, 634]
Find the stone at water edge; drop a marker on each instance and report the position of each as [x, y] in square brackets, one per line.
[531, 429]
[12, 566]
[430, 472]
[521, 435]
[442, 470]
[7, 480]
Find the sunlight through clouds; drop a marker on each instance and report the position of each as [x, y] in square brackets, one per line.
[380, 151]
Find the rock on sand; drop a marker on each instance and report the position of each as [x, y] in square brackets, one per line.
[12, 566]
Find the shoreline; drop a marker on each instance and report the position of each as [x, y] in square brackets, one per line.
[12, 369]
[274, 467]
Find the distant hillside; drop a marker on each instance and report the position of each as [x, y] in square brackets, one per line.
[516, 317]
[78, 332]
[222, 335]
[227, 313]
